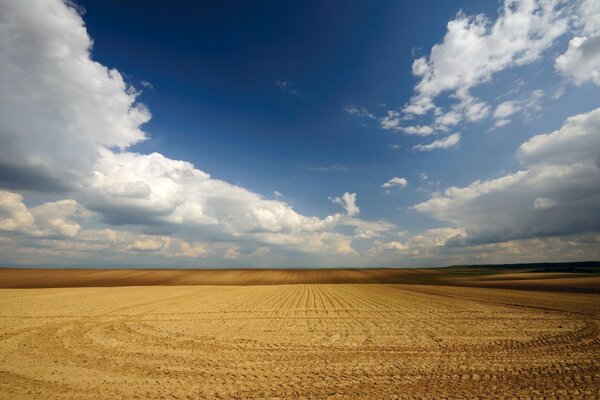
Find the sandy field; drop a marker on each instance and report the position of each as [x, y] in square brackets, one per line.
[362, 341]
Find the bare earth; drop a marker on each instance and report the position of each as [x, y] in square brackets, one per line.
[303, 340]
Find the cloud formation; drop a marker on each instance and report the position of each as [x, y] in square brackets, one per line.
[58, 107]
[395, 181]
[67, 122]
[581, 61]
[348, 201]
[522, 31]
[554, 194]
[445, 143]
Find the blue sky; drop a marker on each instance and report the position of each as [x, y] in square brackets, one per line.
[299, 113]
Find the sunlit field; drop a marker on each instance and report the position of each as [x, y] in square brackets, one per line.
[302, 340]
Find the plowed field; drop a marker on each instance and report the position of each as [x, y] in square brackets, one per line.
[298, 341]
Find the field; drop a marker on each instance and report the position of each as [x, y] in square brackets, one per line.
[244, 335]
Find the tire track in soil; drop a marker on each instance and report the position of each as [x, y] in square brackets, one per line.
[301, 341]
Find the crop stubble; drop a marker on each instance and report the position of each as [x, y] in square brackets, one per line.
[297, 341]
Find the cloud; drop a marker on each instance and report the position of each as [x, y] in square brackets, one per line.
[60, 218]
[581, 61]
[420, 130]
[51, 219]
[67, 124]
[348, 201]
[556, 193]
[54, 98]
[395, 182]
[147, 84]
[423, 244]
[445, 143]
[233, 252]
[525, 105]
[445, 244]
[506, 109]
[578, 140]
[391, 121]
[148, 244]
[288, 87]
[192, 250]
[359, 112]
[153, 189]
[522, 31]
[14, 215]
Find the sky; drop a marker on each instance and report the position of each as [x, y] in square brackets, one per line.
[299, 135]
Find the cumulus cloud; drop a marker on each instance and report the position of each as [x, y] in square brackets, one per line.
[445, 143]
[423, 244]
[66, 124]
[58, 107]
[506, 109]
[60, 218]
[391, 120]
[522, 31]
[581, 61]
[555, 193]
[395, 181]
[51, 219]
[420, 130]
[348, 201]
[14, 215]
[148, 244]
[153, 189]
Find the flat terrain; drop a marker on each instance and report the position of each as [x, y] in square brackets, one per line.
[557, 278]
[361, 340]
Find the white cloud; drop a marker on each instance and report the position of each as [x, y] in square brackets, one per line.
[556, 193]
[147, 84]
[148, 244]
[359, 112]
[66, 123]
[581, 61]
[420, 130]
[445, 143]
[578, 140]
[447, 119]
[522, 31]
[52, 219]
[151, 189]
[192, 250]
[526, 104]
[395, 182]
[423, 244]
[391, 121]
[506, 109]
[57, 105]
[348, 201]
[14, 215]
[60, 217]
